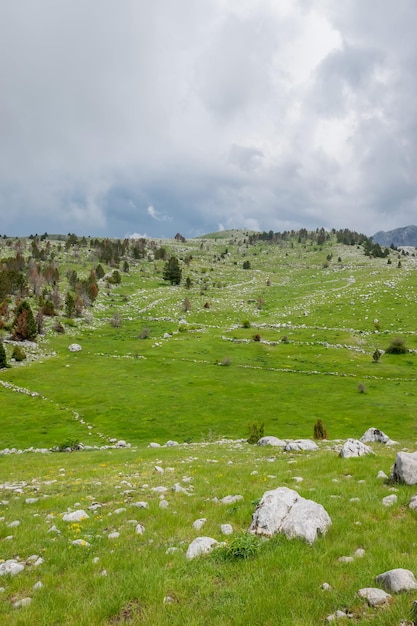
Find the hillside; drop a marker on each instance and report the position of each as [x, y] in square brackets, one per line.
[279, 330]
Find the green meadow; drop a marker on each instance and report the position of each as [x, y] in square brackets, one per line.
[285, 342]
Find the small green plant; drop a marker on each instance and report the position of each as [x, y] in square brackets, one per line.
[246, 324]
[256, 431]
[319, 430]
[18, 354]
[145, 333]
[361, 388]
[257, 337]
[3, 360]
[69, 444]
[377, 355]
[243, 546]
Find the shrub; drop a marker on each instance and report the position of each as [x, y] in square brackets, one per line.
[319, 431]
[361, 388]
[116, 320]
[58, 328]
[257, 337]
[246, 324]
[226, 361]
[246, 265]
[397, 346]
[256, 431]
[69, 444]
[145, 333]
[243, 546]
[18, 354]
[377, 355]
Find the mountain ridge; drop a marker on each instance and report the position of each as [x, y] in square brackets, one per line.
[405, 236]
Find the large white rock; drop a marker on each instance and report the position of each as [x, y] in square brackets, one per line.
[75, 347]
[200, 546]
[374, 596]
[283, 510]
[353, 448]
[405, 468]
[75, 516]
[272, 441]
[397, 580]
[12, 567]
[301, 444]
[374, 435]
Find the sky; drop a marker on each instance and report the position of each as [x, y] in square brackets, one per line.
[135, 118]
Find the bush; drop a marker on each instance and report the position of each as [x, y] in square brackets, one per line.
[361, 388]
[18, 354]
[257, 337]
[256, 431]
[243, 546]
[246, 324]
[69, 444]
[397, 346]
[116, 320]
[226, 361]
[145, 333]
[319, 431]
[59, 328]
[3, 360]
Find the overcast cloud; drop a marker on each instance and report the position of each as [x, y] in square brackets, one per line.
[129, 116]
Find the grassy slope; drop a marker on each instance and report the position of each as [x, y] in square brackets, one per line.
[173, 388]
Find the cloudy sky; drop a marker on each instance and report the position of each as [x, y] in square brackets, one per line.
[156, 117]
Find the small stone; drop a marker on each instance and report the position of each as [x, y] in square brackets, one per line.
[139, 530]
[103, 572]
[199, 523]
[374, 596]
[382, 475]
[81, 542]
[14, 524]
[169, 600]
[226, 529]
[140, 505]
[345, 559]
[159, 469]
[201, 546]
[75, 516]
[359, 553]
[12, 567]
[326, 587]
[163, 504]
[21, 603]
[231, 499]
[113, 535]
[389, 500]
[37, 585]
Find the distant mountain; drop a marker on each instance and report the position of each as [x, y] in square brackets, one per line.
[406, 236]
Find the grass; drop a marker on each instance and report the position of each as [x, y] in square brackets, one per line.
[172, 385]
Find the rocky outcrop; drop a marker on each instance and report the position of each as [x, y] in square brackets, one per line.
[374, 435]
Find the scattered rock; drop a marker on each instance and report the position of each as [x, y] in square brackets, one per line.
[230, 499]
[226, 529]
[153, 444]
[272, 441]
[353, 448]
[405, 468]
[345, 559]
[374, 435]
[283, 510]
[397, 580]
[75, 516]
[390, 500]
[200, 546]
[413, 503]
[382, 475]
[301, 444]
[171, 444]
[140, 505]
[12, 567]
[199, 523]
[75, 347]
[374, 596]
[326, 587]
[37, 585]
[23, 602]
[163, 504]
[113, 535]
[338, 615]
[139, 530]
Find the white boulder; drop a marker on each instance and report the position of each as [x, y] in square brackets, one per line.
[12, 567]
[397, 580]
[75, 347]
[374, 435]
[301, 444]
[200, 546]
[374, 596]
[283, 510]
[75, 516]
[354, 448]
[405, 468]
[272, 441]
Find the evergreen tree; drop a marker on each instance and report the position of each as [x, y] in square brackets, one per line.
[24, 326]
[172, 271]
[3, 361]
[69, 304]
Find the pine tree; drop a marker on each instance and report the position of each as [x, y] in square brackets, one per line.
[24, 326]
[172, 271]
